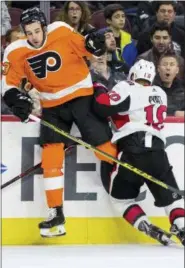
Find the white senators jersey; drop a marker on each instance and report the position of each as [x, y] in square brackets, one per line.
[147, 109]
[57, 69]
[135, 108]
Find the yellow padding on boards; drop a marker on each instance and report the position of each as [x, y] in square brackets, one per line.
[24, 231]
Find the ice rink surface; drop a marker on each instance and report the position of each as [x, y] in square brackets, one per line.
[109, 256]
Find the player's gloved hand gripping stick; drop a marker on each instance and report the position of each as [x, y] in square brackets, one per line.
[92, 148]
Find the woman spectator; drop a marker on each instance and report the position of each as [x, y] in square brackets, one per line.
[76, 14]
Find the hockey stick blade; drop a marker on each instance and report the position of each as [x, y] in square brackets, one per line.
[123, 164]
[22, 175]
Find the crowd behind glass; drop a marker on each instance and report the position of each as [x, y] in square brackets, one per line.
[150, 30]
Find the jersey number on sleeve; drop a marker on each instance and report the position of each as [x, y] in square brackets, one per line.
[114, 96]
[155, 115]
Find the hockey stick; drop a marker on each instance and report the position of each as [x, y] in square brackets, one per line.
[22, 175]
[92, 148]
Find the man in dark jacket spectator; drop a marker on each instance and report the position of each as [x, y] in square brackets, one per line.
[165, 12]
[145, 10]
[113, 62]
[161, 39]
[168, 69]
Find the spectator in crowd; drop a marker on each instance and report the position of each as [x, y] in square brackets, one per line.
[115, 18]
[144, 11]
[76, 14]
[112, 61]
[165, 12]
[5, 19]
[168, 69]
[10, 36]
[102, 73]
[161, 39]
[13, 35]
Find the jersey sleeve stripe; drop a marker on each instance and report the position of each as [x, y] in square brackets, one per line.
[57, 24]
[6, 87]
[13, 46]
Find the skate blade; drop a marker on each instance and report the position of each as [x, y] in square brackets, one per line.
[167, 239]
[53, 232]
[171, 242]
[176, 240]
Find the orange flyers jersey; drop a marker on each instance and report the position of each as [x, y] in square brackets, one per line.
[57, 69]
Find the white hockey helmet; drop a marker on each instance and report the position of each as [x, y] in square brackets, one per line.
[142, 69]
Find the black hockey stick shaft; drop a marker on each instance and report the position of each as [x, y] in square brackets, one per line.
[22, 175]
[32, 169]
[123, 164]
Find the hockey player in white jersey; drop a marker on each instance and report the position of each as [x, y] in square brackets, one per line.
[138, 110]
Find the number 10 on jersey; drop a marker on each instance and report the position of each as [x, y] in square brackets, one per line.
[155, 115]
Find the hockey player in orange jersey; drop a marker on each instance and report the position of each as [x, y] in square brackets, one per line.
[52, 59]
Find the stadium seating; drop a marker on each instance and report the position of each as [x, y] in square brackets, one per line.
[15, 14]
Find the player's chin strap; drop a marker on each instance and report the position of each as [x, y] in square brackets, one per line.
[92, 148]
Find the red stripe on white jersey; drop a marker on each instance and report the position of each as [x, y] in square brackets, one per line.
[120, 120]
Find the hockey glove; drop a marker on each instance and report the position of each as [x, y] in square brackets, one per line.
[95, 44]
[21, 104]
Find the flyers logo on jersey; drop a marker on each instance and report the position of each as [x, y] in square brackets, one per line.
[46, 62]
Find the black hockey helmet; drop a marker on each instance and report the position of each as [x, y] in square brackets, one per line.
[32, 15]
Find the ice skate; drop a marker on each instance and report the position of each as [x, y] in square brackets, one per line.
[54, 225]
[180, 234]
[156, 233]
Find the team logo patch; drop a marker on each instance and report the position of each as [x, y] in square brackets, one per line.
[46, 62]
